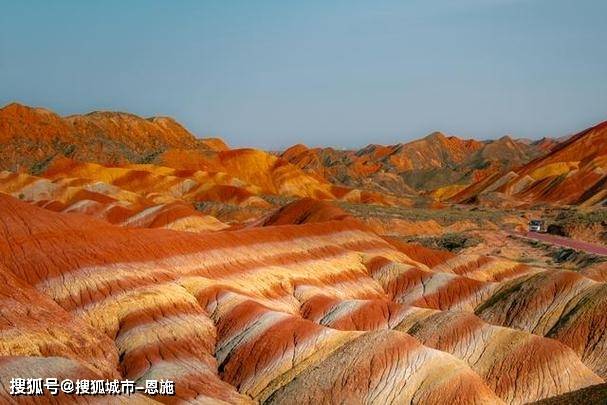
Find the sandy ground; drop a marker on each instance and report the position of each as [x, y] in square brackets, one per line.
[499, 244]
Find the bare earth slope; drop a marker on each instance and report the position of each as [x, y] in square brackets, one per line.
[574, 172]
[324, 311]
[33, 136]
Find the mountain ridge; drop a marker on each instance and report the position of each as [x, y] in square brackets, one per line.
[421, 165]
[38, 134]
[571, 173]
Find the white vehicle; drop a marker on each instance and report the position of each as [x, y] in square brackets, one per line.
[537, 225]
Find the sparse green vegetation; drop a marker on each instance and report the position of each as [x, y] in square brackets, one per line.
[578, 217]
[40, 167]
[562, 257]
[229, 213]
[572, 256]
[577, 223]
[453, 242]
[150, 157]
[500, 295]
[444, 216]
[596, 394]
[278, 200]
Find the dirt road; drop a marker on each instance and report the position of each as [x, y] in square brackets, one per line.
[569, 243]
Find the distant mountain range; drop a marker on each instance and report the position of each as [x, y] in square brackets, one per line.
[422, 165]
[572, 173]
[445, 168]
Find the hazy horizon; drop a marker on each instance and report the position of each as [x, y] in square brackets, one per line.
[342, 74]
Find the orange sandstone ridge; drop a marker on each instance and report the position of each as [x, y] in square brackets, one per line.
[446, 168]
[423, 165]
[320, 311]
[34, 135]
[42, 143]
[130, 249]
[573, 173]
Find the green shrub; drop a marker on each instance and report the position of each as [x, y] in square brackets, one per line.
[453, 242]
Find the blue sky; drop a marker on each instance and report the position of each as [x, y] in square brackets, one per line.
[339, 73]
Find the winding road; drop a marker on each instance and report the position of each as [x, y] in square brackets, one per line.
[568, 243]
